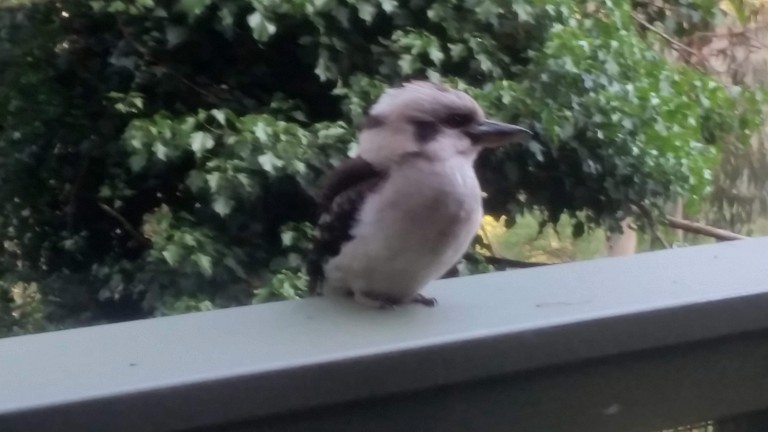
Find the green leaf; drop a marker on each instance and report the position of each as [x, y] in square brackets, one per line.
[389, 5]
[523, 10]
[200, 142]
[196, 180]
[222, 205]
[220, 116]
[269, 162]
[193, 8]
[137, 161]
[172, 255]
[214, 181]
[366, 10]
[205, 263]
[261, 28]
[231, 263]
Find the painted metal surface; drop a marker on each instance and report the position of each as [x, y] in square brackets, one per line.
[254, 362]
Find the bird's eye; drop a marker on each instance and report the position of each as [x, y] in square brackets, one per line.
[457, 120]
[425, 131]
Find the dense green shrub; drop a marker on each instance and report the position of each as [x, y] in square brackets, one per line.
[158, 156]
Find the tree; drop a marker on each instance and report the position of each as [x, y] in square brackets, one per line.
[731, 48]
[159, 156]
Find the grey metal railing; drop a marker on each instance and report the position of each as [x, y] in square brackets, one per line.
[641, 343]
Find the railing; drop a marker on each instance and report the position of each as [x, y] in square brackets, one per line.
[642, 343]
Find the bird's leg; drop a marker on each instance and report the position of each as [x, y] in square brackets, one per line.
[424, 300]
[376, 300]
[384, 305]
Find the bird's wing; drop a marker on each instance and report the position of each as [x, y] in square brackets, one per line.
[340, 202]
[349, 174]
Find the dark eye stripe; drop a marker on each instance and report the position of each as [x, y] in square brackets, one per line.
[425, 131]
[457, 120]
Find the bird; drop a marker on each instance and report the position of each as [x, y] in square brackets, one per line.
[405, 209]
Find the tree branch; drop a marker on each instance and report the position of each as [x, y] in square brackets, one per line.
[656, 5]
[144, 241]
[148, 56]
[71, 207]
[674, 42]
[509, 263]
[651, 222]
[701, 229]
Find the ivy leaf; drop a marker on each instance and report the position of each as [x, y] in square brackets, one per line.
[222, 205]
[261, 29]
[366, 10]
[200, 142]
[219, 116]
[193, 8]
[269, 162]
[537, 150]
[175, 35]
[172, 255]
[231, 263]
[214, 181]
[389, 5]
[205, 263]
[137, 161]
[195, 180]
[523, 10]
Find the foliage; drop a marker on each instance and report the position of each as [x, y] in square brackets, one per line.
[159, 156]
[22, 311]
[728, 43]
[529, 241]
[736, 53]
[490, 233]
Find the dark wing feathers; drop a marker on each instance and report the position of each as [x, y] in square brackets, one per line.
[340, 202]
[348, 175]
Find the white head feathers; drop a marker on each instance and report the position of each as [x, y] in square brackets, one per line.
[412, 118]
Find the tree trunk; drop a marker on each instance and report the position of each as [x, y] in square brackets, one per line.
[622, 244]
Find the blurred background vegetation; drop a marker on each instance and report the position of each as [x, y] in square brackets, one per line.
[160, 156]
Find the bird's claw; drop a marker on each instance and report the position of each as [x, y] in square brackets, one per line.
[385, 305]
[424, 300]
[375, 300]
[384, 302]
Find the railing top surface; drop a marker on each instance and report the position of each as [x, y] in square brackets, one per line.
[297, 354]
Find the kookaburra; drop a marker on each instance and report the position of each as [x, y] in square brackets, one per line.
[405, 209]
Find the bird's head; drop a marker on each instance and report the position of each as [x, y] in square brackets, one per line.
[431, 120]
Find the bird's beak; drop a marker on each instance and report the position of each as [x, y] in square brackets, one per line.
[492, 134]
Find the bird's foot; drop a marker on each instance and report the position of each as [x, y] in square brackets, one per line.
[376, 300]
[385, 305]
[383, 301]
[424, 300]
